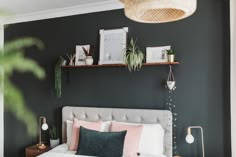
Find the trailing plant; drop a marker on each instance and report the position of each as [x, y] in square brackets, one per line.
[12, 59]
[53, 133]
[170, 52]
[58, 77]
[133, 56]
[172, 107]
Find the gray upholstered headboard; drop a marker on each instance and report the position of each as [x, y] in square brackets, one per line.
[163, 117]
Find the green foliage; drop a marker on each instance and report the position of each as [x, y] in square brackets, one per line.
[170, 52]
[58, 77]
[133, 57]
[12, 59]
[53, 133]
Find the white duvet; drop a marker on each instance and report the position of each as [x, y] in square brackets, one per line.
[62, 151]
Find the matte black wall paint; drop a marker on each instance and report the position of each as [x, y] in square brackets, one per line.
[201, 97]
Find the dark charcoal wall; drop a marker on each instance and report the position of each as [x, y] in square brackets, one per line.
[202, 95]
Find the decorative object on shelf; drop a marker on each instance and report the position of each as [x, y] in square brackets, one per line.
[112, 44]
[58, 76]
[171, 80]
[89, 55]
[71, 58]
[171, 55]
[157, 54]
[190, 139]
[158, 11]
[133, 56]
[80, 56]
[42, 126]
[54, 139]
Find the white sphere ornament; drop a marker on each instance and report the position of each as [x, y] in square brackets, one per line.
[189, 138]
[44, 126]
[158, 11]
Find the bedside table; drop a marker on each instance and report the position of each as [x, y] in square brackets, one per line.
[33, 151]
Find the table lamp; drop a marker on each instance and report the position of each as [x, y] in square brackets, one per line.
[42, 126]
[190, 139]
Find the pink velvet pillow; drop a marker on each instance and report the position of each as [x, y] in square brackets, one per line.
[75, 131]
[132, 137]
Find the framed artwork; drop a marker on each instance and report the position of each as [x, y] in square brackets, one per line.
[79, 54]
[157, 54]
[112, 45]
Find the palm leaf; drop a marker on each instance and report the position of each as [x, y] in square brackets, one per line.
[14, 60]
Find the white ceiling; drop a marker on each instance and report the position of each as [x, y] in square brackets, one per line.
[19, 7]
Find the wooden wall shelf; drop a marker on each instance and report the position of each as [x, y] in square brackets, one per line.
[120, 65]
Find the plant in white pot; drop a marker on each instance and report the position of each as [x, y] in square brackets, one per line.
[54, 139]
[133, 56]
[89, 55]
[171, 55]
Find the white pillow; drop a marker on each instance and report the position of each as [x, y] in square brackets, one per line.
[69, 125]
[105, 126]
[151, 140]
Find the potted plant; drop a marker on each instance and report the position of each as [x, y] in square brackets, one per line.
[54, 139]
[171, 55]
[71, 58]
[89, 55]
[133, 56]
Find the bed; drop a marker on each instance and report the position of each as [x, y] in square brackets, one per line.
[162, 117]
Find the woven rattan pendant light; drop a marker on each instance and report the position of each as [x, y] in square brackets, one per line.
[158, 11]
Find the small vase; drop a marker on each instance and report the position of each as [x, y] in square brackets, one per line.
[171, 58]
[71, 63]
[54, 143]
[89, 60]
[63, 63]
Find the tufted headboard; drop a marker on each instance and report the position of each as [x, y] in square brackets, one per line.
[164, 117]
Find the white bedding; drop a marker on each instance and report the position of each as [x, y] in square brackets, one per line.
[62, 151]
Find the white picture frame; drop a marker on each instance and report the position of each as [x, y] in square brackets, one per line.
[80, 55]
[157, 54]
[112, 45]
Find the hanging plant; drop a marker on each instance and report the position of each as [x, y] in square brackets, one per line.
[133, 57]
[58, 77]
[171, 86]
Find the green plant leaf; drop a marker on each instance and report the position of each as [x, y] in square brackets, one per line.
[13, 59]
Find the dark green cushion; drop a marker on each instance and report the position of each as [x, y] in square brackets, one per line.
[102, 144]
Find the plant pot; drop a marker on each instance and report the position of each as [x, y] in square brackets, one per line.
[170, 84]
[54, 143]
[171, 58]
[176, 156]
[63, 63]
[89, 60]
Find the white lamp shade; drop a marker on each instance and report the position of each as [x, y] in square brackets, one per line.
[189, 138]
[158, 11]
[44, 126]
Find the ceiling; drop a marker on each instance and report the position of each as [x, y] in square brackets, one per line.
[19, 7]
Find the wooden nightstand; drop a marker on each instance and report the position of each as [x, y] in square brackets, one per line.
[33, 151]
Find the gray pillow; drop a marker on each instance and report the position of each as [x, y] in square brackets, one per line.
[102, 144]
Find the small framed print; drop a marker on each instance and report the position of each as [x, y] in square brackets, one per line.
[80, 55]
[112, 45]
[157, 54]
